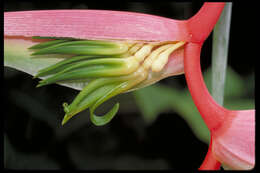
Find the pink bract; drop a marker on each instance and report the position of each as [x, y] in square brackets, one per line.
[105, 24]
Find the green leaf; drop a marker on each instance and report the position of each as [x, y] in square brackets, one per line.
[239, 104]
[158, 98]
[153, 100]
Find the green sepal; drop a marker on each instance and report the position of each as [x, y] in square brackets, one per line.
[91, 87]
[89, 95]
[120, 88]
[89, 47]
[47, 44]
[93, 62]
[62, 65]
[83, 73]
[79, 74]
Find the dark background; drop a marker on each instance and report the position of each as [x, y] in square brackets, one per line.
[127, 142]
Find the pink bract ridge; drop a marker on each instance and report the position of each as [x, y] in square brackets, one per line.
[93, 24]
[106, 24]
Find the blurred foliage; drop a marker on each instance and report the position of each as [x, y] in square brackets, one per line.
[158, 98]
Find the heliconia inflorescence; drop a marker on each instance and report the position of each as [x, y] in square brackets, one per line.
[116, 52]
[110, 67]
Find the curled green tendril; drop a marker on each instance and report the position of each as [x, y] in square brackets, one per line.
[88, 98]
[101, 120]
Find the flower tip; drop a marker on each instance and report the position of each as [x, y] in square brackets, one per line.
[32, 47]
[65, 120]
[41, 84]
[36, 76]
[34, 53]
[68, 114]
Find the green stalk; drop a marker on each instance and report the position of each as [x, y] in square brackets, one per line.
[220, 53]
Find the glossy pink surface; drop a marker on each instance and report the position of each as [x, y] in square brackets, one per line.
[94, 24]
[105, 24]
[235, 146]
[232, 131]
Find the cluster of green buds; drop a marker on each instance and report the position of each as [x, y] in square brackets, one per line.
[108, 67]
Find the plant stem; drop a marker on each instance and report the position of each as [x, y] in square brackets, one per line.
[220, 53]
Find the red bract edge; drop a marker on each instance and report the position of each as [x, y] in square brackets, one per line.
[232, 131]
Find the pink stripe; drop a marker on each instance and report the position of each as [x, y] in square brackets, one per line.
[94, 24]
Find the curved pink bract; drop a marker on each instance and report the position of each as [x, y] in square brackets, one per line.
[93, 24]
[232, 131]
[106, 24]
[235, 145]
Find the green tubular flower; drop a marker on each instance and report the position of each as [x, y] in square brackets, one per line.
[94, 68]
[82, 47]
[111, 67]
[62, 64]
